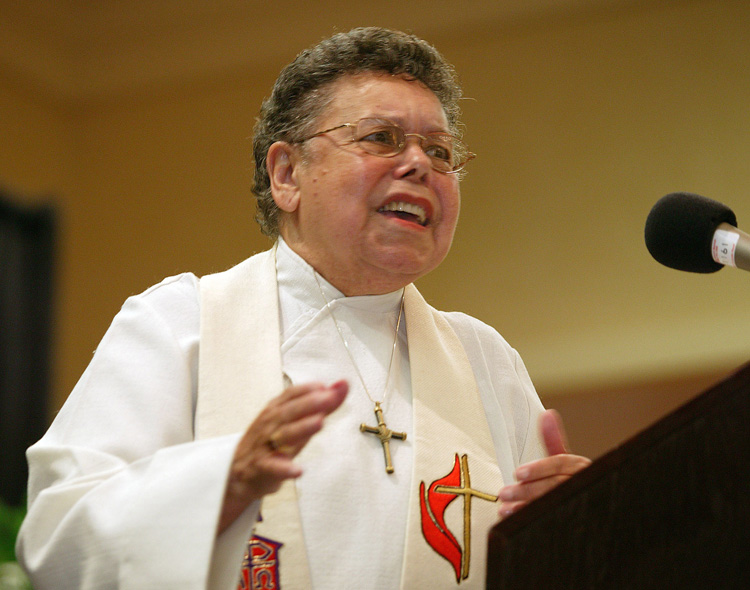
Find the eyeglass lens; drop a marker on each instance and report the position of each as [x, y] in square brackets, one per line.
[382, 138]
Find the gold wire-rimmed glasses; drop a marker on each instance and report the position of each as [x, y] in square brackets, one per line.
[384, 138]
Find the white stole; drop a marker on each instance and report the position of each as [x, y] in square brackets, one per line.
[240, 372]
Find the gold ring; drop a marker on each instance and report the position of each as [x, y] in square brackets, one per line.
[273, 442]
[276, 446]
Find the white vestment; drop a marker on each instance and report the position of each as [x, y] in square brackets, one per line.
[122, 496]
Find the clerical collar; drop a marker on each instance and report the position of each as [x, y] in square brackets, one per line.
[299, 294]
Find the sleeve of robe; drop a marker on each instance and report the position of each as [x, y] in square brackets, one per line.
[120, 495]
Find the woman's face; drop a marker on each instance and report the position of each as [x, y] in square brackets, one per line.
[338, 202]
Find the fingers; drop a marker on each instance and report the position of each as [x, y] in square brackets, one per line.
[264, 456]
[536, 478]
[303, 400]
[539, 477]
[553, 432]
[507, 508]
[289, 439]
[289, 421]
[566, 464]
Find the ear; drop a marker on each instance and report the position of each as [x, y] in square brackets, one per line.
[281, 163]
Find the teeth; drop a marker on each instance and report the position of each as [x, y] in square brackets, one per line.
[416, 210]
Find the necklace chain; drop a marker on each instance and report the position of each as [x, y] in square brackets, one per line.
[349, 352]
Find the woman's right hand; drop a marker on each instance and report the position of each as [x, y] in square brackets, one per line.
[264, 457]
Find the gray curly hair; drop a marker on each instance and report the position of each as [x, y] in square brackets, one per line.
[301, 93]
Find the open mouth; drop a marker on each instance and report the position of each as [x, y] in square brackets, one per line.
[406, 211]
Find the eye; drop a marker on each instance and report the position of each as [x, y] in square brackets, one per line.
[439, 149]
[387, 136]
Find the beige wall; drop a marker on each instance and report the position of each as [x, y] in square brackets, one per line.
[581, 123]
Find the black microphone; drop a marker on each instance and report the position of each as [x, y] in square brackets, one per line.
[696, 234]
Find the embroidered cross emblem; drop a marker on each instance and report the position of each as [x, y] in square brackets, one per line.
[385, 435]
[433, 502]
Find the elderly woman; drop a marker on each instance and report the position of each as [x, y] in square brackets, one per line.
[308, 399]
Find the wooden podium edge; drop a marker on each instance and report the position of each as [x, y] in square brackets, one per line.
[626, 451]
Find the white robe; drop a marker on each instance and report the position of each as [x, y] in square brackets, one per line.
[121, 496]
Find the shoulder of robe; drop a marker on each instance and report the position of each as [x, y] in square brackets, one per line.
[468, 327]
[178, 287]
[175, 299]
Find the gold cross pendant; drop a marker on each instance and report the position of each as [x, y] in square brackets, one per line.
[385, 436]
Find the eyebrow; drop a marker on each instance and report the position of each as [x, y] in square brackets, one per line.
[400, 122]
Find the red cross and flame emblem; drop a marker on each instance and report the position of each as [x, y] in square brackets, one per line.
[434, 500]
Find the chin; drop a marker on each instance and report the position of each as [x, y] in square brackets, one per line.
[409, 258]
[410, 265]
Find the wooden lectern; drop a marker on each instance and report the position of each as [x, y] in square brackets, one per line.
[670, 508]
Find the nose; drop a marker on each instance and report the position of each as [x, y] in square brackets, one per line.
[413, 161]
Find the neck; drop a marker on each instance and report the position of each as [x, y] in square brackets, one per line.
[351, 282]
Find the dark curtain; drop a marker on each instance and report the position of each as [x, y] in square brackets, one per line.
[26, 272]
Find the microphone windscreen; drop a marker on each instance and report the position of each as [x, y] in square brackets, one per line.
[680, 230]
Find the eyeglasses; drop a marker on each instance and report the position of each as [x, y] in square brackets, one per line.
[383, 138]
